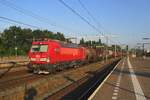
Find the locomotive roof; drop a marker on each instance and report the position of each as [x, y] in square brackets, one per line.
[69, 45]
[63, 44]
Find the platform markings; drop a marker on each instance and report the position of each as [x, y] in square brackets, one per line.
[136, 85]
[115, 93]
[117, 84]
[114, 98]
[94, 93]
[116, 89]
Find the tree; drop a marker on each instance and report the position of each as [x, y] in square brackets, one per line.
[118, 48]
[59, 36]
[22, 39]
[100, 42]
[82, 41]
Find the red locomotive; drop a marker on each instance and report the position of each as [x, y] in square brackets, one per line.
[50, 55]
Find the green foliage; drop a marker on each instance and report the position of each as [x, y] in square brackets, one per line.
[82, 41]
[91, 43]
[22, 38]
[118, 48]
[59, 36]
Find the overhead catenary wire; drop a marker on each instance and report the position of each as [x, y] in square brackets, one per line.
[18, 22]
[6, 21]
[85, 20]
[89, 13]
[80, 16]
[32, 14]
[24, 11]
[94, 19]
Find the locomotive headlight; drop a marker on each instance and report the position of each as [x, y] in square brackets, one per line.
[32, 59]
[48, 60]
[43, 59]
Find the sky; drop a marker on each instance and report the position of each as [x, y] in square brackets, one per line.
[123, 21]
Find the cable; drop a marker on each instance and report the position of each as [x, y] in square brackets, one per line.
[88, 12]
[15, 21]
[93, 18]
[31, 14]
[81, 17]
[6, 21]
[24, 11]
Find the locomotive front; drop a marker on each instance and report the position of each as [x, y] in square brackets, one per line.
[39, 56]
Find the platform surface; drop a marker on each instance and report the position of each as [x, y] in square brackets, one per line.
[130, 80]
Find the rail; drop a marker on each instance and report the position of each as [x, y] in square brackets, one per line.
[84, 87]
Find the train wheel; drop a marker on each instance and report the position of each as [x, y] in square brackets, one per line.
[36, 71]
[76, 66]
[53, 70]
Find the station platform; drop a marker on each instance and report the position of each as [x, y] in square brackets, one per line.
[130, 80]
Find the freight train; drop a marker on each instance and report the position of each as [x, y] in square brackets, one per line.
[47, 56]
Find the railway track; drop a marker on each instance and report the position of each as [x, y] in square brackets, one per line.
[14, 64]
[23, 79]
[19, 77]
[15, 81]
[83, 88]
[9, 67]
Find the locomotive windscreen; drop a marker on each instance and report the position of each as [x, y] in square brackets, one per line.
[39, 48]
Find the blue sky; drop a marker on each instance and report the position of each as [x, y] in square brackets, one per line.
[128, 20]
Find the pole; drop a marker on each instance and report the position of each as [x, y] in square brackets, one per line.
[106, 48]
[15, 46]
[121, 53]
[143, 49]
[76, 40]
[115, 50]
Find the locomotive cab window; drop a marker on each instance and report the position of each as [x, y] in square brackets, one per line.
[39, 48]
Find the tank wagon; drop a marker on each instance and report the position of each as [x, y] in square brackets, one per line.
[50, 55]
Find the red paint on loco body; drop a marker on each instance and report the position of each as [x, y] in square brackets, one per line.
[52, 51]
